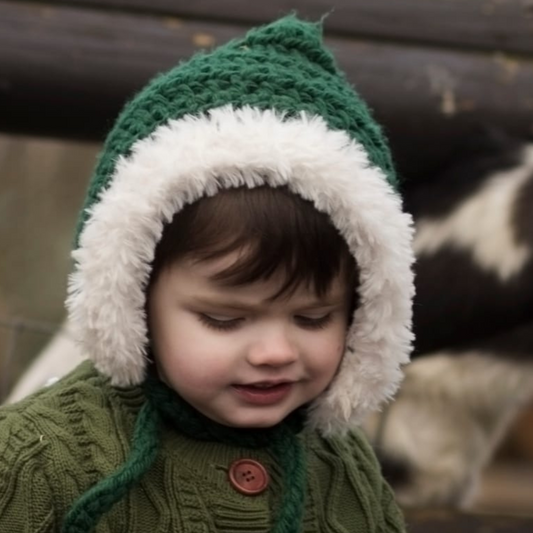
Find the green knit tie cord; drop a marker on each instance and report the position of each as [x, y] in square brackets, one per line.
[87, 510]
[163, 404]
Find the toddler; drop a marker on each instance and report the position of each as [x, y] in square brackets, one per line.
[242, 289]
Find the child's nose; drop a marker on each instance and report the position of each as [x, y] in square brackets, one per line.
[273, 348]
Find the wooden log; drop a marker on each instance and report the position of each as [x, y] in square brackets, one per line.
[66, 72]
[449, 521]
[505, 25]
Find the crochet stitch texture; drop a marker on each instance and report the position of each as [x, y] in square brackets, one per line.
[282, 66]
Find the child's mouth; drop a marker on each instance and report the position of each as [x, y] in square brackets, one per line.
[263, 393]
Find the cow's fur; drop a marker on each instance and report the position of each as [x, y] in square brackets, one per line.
[473, 361]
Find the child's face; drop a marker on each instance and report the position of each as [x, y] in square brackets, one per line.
[238, 358]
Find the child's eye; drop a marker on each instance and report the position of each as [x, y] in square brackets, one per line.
[219, 323]
[313, 322]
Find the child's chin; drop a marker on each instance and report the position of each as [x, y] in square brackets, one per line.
[264, 423]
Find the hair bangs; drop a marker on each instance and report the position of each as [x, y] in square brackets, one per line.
[271, 230]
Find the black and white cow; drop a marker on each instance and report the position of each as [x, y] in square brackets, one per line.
[472, 368]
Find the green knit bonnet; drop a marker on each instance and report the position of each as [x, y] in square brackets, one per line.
[269, 109]
[282, 66]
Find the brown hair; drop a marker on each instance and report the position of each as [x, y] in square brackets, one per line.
[276, 230]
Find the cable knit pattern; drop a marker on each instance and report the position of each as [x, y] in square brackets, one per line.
[163, 404]
[57, 444]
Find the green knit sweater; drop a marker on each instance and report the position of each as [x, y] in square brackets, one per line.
[62, 440]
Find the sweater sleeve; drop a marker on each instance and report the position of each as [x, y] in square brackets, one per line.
[347, 490]
[56, 444]
[391, 519]
[26, 501]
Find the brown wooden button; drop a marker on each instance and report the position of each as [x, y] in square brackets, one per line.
[248, 476]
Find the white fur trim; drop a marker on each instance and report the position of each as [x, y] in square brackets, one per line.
[196, 156]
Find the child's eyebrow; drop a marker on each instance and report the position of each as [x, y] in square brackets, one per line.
[244, 306]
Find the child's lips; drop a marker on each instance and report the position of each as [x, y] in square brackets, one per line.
[263, 393]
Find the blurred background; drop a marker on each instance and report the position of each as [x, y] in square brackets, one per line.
[42, 185]
[435, 74]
